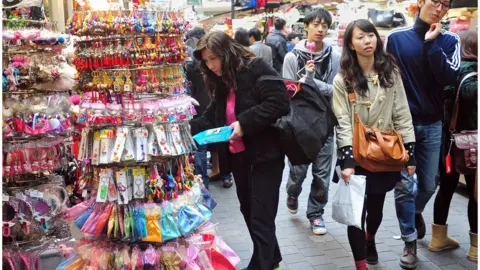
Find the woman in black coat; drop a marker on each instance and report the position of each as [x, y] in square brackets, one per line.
[250, 106]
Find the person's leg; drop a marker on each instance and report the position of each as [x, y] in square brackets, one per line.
[318, 198]
[297, 175]
[201, 164]
[240, 170]
[472, 203]
[441, 206]
[374, 217]
[472, 218]
[440, 240]
[265, 186]
[356, 239]
[427, 154]
[215, 165]
[405, 191]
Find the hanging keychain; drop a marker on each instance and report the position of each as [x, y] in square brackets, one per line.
[96, 148]
[448, 158]
[129, 151]
[104, 180]
[119, 144]
[152, 144]
[141, 144]
[127, 86]
[122, 184]
[176, 139]
[161, 135]
[139, 175]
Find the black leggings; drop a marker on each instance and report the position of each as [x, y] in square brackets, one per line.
[448, 184]
[373, 210]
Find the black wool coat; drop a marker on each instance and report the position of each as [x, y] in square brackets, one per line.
[258, 104]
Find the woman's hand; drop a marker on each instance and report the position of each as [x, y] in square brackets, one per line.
[310, 66]
[411, 170]
[346, 173]
[237, 131]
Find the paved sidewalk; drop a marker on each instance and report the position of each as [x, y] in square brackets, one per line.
[301, 250]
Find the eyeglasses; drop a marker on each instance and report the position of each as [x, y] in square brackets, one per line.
[437, 3]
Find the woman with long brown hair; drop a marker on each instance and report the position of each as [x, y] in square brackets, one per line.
[466, 120]
[370, 74]
[250, 106]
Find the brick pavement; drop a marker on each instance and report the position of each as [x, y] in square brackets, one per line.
[301, 250]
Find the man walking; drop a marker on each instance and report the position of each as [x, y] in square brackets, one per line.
[429, 59]
[278, 42]
[259, 49]
[321, 70]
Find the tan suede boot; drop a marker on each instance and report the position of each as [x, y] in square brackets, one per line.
[440, 240]
[472, 254]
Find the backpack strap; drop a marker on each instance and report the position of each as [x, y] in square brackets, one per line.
[351, 95]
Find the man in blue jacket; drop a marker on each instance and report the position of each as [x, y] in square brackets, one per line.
[429, 59]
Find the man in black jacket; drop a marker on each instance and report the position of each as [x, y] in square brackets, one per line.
[278, 41]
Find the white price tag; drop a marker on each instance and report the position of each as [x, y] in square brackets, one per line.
[5, 198]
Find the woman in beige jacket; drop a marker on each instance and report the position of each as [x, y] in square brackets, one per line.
[381, 104]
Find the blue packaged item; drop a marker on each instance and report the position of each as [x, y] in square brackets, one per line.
[214, 135]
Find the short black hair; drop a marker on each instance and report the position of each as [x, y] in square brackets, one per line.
[255, 33]
[320, 14]
[292, 36]
[280, 23]
[196, 32]
[241, 36]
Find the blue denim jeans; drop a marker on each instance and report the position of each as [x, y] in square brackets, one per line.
[201, 163]
[413, 193]
[321, 171]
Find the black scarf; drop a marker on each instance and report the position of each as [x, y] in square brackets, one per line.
[323, 63]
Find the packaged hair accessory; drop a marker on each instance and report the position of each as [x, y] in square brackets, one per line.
[215, 135]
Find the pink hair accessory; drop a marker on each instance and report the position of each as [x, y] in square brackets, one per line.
[75, 99]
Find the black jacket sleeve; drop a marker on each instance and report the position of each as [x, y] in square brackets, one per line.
[274, 100]
[205, 121]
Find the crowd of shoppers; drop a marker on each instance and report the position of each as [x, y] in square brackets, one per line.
[405, 85]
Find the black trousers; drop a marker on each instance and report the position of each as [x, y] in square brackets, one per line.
[258, 190]
[448, 185]
[373, 214]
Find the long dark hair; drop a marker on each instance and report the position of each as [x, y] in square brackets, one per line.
[384, 64]
[234, 58]
[469, 41]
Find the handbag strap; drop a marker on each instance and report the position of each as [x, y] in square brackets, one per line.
[453, 122]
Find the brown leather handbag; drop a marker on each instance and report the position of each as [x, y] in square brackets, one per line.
[465, 142]
[376, 151]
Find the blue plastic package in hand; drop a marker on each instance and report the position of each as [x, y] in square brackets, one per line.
[214, 135]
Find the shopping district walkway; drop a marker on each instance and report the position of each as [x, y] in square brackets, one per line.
[301, 250]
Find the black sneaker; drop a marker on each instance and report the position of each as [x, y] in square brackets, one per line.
[371, 252]
[292, 204]
[227, 183]
[420, 226]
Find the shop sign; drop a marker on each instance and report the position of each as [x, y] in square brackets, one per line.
[21, 3]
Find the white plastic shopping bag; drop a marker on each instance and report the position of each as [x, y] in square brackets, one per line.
[348, 202]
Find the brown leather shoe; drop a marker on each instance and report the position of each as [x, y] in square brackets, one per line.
[409, 257]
